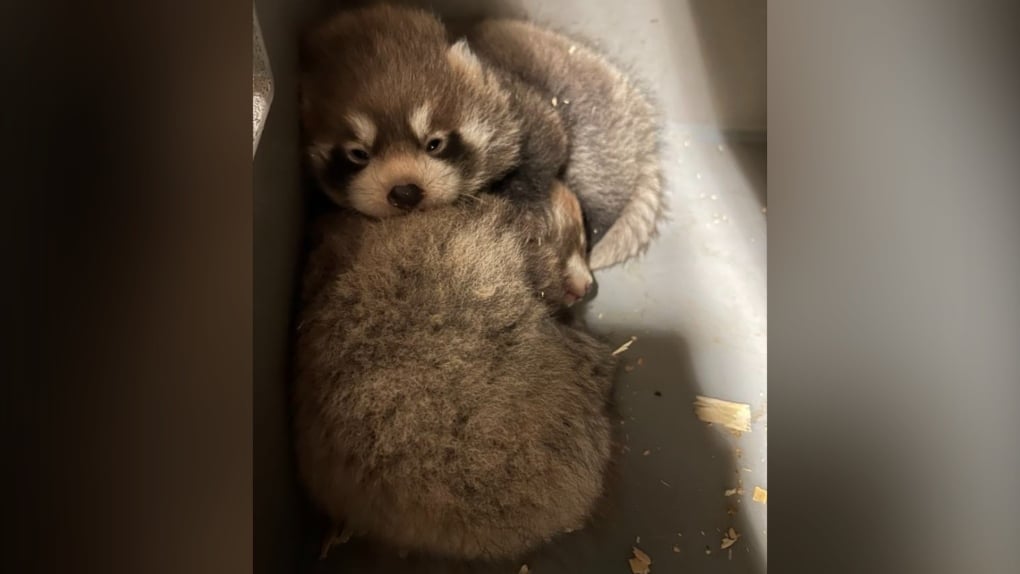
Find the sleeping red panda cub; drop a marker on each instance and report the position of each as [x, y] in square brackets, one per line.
[442, 406]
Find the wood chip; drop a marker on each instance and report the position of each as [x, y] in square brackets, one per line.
[760, 495]
[731, 491]
[624, 346]
[646, 453]
[730, 539]
[524, 569]
[676, 549]
[640, 563]
[734, 416]
[572, 49]
[554, 101]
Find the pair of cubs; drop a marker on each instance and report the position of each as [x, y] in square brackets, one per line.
[444, 404]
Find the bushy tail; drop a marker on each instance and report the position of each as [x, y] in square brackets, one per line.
[637, 225]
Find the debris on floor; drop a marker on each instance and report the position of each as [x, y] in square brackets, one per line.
[732, 491]
[760, 495]
[676, 549]
[729, 539]
[734, 416]
[624, 346]
[524, 569]
[646, 452]
[640, 563]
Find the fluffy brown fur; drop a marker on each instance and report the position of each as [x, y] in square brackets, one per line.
[613, 163]
[441, 407]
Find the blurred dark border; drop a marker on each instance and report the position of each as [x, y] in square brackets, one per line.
[127, 178]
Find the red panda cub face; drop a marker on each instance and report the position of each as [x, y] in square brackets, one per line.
[395, 118]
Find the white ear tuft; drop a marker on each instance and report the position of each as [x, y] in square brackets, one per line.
[461, 57]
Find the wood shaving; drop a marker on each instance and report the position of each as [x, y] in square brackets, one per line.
[624, 346]
[572, 49]
[524, 569]
[760, 495]
[646, 453]
[729, 540]
[734, 416]
[676, 549]
[554, 101]
[640, 563]
[665, 483]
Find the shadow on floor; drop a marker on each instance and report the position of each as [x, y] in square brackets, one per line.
[666, 488]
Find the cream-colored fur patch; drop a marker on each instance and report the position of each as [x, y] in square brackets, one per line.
[463, 59]
[420, 120]
[363, 128]
[369, 190]
[476, 133]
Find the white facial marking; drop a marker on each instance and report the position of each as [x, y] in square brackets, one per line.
[419, 120]
[362, 127]
[476, 133]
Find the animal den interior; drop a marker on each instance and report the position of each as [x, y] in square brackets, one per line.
[686, 319]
